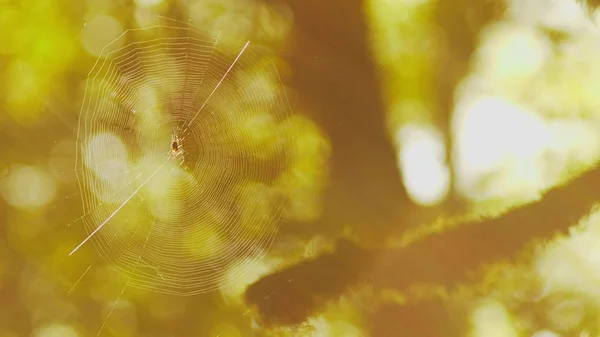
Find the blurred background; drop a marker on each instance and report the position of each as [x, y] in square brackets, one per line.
[438, 150]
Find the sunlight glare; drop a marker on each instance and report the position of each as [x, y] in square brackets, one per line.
[512, 53]
[422, 161]
[491, 319]
[561, 15]
[574, 263]
[490, 133]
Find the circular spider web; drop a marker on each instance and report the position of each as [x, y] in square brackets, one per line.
[181, 137]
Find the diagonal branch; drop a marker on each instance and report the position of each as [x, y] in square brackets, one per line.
[443, 258]
[365, 193]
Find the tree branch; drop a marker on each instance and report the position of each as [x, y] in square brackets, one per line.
[366, 193]
[443, 258]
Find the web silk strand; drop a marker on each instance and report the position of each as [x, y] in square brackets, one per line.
[118, 209]
[218, 84]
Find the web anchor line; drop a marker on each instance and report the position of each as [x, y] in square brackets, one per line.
[118, 208]
[79, 279]
[216, 87]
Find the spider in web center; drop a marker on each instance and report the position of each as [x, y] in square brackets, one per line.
[177, 150]
[175, 147]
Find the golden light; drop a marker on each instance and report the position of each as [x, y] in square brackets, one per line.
[422, 160]
[164, 192]
[567, 315]
[226, 15]
[307, 176]
[225, 330]
[545, 333]
[258, 134]
[491, 319]
[560, 15]
[101, 6]
[56, 330]
[204, 242]
[275, 22]
[165, 307]
[28, 187]
[146, 17]
[147, 3]
[575, 141]
[5, 262]
[99, 32]
[344, 328]
[512, 52]
[256, 79]
[239, 277]
[255, 203]
[107, 156]
[124, 318]
[574, 263]
[9, 18]
[495, 135]
[23, 83]
[62, 161]
[325, 326]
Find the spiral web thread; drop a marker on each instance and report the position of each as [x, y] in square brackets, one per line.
[181, 137]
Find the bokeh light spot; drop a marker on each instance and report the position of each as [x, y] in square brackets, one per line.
[99, 32]
[512, 52]
[545, 333]
[29, 187]
[56, 330]
[491, 319]
[107, 156]
[147, 3]
[422, 159]
[493, 134]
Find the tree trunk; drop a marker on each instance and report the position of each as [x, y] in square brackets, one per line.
[332, 71]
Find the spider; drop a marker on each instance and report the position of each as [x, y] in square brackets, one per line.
[177, 146]
[175, 149]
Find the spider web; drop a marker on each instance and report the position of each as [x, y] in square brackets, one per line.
[176, 221]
